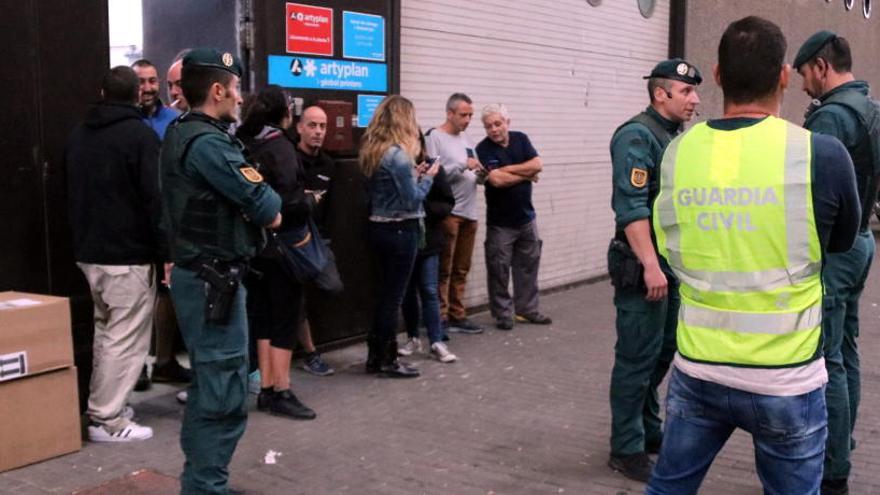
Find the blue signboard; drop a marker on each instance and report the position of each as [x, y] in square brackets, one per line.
[367, 107]
[323, 73]
[363, 36]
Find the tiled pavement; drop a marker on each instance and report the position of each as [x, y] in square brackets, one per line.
[522, 412]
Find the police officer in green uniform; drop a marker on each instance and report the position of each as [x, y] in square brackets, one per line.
[216, 206]
[842, 108]
[645, 290]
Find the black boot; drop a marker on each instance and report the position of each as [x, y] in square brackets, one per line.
[392, 367]
[374, 355]
[144, 382]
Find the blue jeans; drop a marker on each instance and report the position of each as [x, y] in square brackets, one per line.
[789, 435]
[395, 245]
[423, 286]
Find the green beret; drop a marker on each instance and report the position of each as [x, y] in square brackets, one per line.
[677, 69]
[811, 47]
[211, 57]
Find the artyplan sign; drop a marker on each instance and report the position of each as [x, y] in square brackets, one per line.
[320, 73]
[309, 29]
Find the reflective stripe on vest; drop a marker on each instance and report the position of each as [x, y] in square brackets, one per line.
[734, 219]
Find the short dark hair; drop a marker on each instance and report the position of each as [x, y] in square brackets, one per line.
[142, 63]
[196, 80]
[453, 100]
[120, 85]
[837, 53]
[658, 82]
[750, 58]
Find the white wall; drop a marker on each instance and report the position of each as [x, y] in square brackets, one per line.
[570, 73]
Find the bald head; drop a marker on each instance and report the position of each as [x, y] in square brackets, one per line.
[175, 92]
[312, 128]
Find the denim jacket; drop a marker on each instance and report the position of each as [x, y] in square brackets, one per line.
[393, 190]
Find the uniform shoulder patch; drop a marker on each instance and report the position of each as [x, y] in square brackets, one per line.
[250, 174]
[638, 177]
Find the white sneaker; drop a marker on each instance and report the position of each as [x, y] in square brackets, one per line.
[130, 433]
[441, 352]
[412, 345]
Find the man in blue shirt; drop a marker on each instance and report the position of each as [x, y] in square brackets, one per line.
[512, 242]
[156, 114]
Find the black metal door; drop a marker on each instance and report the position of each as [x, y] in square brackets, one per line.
[55, 53]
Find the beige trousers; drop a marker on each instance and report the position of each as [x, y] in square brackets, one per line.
[124, 297]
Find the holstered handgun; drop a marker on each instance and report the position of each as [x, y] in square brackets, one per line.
[624, 266]
[222, 283]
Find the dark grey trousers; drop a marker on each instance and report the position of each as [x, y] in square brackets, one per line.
[516, 250]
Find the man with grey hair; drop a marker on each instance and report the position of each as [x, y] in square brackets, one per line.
[512, 242]
[451, 146]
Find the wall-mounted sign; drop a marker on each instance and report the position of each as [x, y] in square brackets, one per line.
[363, 36]
[367, 107]
[309, 29]
[322, 73]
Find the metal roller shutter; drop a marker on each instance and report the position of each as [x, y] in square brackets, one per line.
[570, 73]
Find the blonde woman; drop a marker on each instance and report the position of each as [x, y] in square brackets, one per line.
[396, 186]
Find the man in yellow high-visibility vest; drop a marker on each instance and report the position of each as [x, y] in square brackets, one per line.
[748, 205]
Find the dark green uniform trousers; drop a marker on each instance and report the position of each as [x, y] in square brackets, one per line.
[844, 276]
[216, 413]
[644, 349]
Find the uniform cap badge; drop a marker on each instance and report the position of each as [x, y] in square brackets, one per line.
[227, 59]
[682, 69]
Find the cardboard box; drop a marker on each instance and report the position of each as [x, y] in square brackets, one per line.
[39, 418]
[35, 334]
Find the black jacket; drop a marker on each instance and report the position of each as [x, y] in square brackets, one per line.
[113, 188]
[320, 173]
[438, 205]
[273, 153]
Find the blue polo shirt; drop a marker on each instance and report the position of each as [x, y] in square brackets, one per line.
[160, 120]
[508, 206]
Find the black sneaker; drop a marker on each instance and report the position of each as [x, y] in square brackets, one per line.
[143, 382]
[264, 399]
[834, 487]
[504, 324]
[635, 467]
[172, 372]
[285, 403]
[535, 319]
[653, 447]
[464, 326]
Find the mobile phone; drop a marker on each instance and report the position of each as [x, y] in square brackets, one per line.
[431, 159]
[470, 153]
